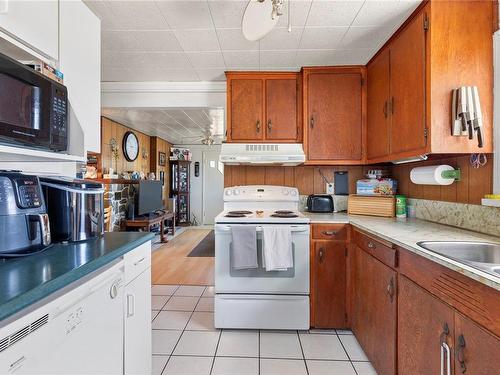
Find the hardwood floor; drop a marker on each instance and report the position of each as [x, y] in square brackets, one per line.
[171, 265]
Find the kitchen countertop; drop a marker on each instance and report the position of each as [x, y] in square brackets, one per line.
[407, 232]
[27, 280]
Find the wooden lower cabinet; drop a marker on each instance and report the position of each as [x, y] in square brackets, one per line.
[329, 284]
[425, 326]
[477, 351]
[374, 310]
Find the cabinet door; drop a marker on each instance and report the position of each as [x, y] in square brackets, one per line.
[476, 349]
[330, 284]
[138, 325]
[35, 23]
[334, 105]
[377, 133]
[374, 310]
[408, 89]
[425, 326]
[281, 110]
[80, 61]
[246, 107]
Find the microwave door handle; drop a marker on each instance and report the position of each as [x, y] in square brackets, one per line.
[43, 220]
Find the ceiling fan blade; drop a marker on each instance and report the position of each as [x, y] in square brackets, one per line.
[257, 21]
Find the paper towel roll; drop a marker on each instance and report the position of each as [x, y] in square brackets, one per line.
[431, 175]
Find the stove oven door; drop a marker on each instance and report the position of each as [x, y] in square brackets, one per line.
[293, 281]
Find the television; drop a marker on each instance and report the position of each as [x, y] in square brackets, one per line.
[149, 197]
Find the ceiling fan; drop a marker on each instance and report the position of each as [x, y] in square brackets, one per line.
[261, 16]
[208, 139]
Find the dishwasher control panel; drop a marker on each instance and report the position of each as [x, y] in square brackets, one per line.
[74, 319]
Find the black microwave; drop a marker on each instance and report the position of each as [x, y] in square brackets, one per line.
[33, 108]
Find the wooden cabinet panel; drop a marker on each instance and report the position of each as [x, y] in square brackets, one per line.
[476, 350]
[334, 118]
[374, 314]
[424, 323]
[407, 86]
[337, 232]
[379, 249]
[281, 109]
[246, 109]
[377, 132]
[330, 284]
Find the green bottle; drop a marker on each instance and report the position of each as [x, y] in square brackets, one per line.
[400, 206]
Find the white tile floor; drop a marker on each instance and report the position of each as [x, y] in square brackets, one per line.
[185, 342]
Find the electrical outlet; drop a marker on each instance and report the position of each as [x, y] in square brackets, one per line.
[329, 189]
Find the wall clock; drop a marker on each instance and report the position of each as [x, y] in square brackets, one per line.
[130, 146]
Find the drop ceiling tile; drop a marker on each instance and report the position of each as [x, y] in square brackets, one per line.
[211, 74]
[333, 13]
[197, 40]
[233, 39]
[388, 13]
[277, 59]
[118, 41]
[206, 60]
[322, 37]
[115, 74]
[280, 38]
[137, 15]
[104, 12]
[158, 40]
[167, 60]
[241, 59]
[314, 58]
[227, 13]
[365, 37]
[186, 14]
[111, 59]
[135, 59]
[300, 10]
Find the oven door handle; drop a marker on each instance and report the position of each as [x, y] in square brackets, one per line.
[294, 229]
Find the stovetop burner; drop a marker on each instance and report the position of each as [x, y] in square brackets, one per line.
[241, 212]
[284, 215]
[234, 215]
[283, 212]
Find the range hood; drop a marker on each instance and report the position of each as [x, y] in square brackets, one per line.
[285, 154]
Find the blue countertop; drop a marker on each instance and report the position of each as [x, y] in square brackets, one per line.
[27, 280]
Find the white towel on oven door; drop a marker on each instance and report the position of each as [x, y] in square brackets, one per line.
[277, 247]
[244, 246]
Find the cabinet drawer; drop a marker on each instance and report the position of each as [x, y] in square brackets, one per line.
[136, 261]
[329, 232]
[382, 251]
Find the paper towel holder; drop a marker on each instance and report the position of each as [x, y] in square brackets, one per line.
[435, 175]
[452, 174]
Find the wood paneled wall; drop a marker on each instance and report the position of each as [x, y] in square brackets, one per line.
[306, 178]
[473, 185]
[111, 129]
[158, 145]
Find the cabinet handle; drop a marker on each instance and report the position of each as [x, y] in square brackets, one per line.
[445, 351]
[385, 109]
[321, 255]
[460, 353]
[258, 126]
[312, 121]
[130, 305]
[139, 261]
[371, 245]
[329, 232]
[390, 289]
[269, 126]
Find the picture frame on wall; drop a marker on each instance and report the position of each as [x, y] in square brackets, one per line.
[162, 159]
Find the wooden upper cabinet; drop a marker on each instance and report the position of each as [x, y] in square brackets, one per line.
[264, 107]
[377, 126]
[333, 114]
[425, 325]
[246, 109]
[407, 89]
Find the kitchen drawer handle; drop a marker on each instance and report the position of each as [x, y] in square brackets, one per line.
[371, 245]
[390, 289]
[329, 232]
[321, 255]
[445, 351]
[140, 261]
[312, 122]
[130, 305]
[269, 126]
[258, 126]
[385, 109]
[460, 354]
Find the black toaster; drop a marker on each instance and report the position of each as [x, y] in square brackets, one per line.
[320, 203]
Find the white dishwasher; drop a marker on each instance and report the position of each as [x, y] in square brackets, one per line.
[79, 333]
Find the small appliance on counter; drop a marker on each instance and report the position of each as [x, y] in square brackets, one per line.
[320, 203]
[24, 222]
[75, 208]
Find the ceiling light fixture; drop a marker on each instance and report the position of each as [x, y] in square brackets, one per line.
[261, 16]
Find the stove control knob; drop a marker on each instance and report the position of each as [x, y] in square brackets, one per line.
[236, 191]
[286, 191]
[228, 192]
[293, 192]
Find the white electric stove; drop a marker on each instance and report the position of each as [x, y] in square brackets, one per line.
[256, 298]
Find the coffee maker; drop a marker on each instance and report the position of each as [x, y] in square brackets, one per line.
[24, 223]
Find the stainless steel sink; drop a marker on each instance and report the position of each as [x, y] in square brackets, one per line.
[482, 255]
